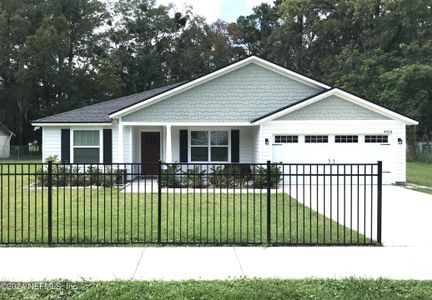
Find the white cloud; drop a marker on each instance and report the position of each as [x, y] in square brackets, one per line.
[206, 8]
[252, 3]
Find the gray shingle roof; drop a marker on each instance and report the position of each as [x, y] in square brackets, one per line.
[99, 113]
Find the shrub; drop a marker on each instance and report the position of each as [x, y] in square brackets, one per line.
[229, 176]
[66, 175]
[193, 177]
[169, 176]
[260, 180]
[42, 173]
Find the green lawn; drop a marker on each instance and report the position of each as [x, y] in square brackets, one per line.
[107, 215]
[234, 289]
[420, 174]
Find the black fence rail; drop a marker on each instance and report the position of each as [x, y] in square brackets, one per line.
[190, 204]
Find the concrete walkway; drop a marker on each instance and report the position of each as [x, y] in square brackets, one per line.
[407, 222]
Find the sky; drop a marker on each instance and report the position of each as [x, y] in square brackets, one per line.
[227, 10]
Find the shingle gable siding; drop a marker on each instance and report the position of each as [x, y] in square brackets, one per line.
[239, 96]
[332, 108]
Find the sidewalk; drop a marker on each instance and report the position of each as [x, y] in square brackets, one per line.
[203, 263]
[407, 255]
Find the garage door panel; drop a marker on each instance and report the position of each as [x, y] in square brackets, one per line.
[335, 153]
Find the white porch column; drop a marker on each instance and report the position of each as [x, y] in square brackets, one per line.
[168, 144]
[120, 146]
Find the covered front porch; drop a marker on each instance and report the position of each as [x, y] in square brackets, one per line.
[147, 143]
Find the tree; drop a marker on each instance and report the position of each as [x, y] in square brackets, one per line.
[408, 90]
[56, 55]
[46, 53]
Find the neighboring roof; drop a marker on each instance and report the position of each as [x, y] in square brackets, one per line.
[334, 92]
[213, 75]
[5, 129]
[99, 113]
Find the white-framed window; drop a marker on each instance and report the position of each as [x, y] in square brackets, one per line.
[286, 139]
[346, 139]
[316, 139]
[376, 139]
[86, 146]
[209, 145]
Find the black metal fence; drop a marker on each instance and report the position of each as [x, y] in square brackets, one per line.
[205, 204]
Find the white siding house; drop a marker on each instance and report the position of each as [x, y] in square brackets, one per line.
[252, 111]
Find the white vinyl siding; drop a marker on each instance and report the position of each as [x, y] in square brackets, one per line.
[51, 142]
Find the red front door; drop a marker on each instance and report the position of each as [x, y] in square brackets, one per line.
[150, 152]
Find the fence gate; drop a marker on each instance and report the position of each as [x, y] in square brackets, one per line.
[190, 204]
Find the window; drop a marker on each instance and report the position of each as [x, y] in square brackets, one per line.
[376, 139]
[209, 146]
[316, 139]
[346, 139]
[86, 146]
[286, 139]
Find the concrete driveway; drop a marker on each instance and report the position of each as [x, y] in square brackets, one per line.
[407, 217]
[406, 214]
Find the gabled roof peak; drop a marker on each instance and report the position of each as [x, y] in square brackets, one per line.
[319, 86]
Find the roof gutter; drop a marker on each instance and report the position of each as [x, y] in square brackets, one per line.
[36, 124]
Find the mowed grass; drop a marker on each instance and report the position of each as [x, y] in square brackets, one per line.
[420, 174]
[109, 215]
[229, 289]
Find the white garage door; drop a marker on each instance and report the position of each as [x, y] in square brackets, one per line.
[335, 149]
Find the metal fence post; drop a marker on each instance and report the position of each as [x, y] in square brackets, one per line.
[159, 208]
[49, 202]
[125, 175]
[268, 202]
[379, 208]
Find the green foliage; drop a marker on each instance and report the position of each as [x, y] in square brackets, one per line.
[228, 289]
[194, 178]
[412, 83]
[229, 176]
[260, 180]
[171, 176]
[56, 55]
[66, 175]
[53, 158]
[415, 155]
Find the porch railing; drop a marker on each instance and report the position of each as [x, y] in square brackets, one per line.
[205, 204]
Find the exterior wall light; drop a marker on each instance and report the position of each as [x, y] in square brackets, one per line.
[267, 141]
[400, 142]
